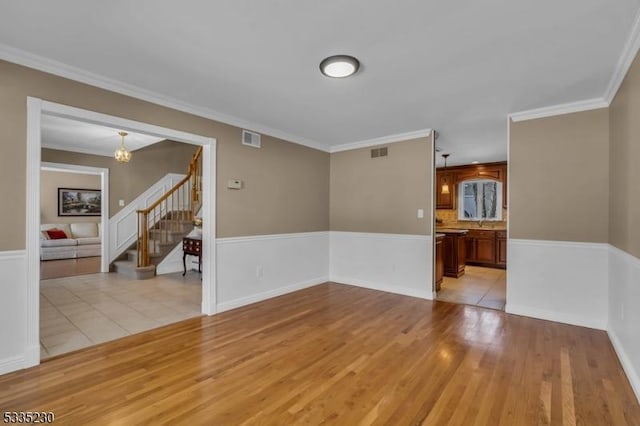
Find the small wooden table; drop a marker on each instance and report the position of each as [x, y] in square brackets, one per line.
[191, 246]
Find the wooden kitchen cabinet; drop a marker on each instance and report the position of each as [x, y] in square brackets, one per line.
[501, 248]
[479, 172]
[481, 247]
[454, 253]
[439, 261]
[487, 247]
[445, 201]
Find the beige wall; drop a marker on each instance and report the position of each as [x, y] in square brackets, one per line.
[127, 181]
[287, 185]
[50, 181]
[382, 195]
[624, 207]
[559, 178]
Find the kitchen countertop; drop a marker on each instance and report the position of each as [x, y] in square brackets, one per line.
[439, 235]
[452, 231]
[470, 228]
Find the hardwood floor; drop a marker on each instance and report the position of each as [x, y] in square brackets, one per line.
[340, 355]
[50, 269]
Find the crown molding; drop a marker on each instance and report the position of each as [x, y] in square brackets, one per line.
[400, 137]
[624, 62]
[627, 57]
[60, 69]
[561, 109]
[78, 150]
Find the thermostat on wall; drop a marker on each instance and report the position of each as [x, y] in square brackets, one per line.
[234, 184]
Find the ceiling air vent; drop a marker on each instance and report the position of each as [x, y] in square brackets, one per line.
[251, 138]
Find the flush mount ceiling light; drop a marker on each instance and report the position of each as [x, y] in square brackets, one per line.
[339, 66]
[122, 155]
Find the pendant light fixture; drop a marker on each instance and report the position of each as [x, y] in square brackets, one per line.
[122, 155]
[445, 183]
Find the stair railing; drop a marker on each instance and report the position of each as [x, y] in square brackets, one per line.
[178, 205]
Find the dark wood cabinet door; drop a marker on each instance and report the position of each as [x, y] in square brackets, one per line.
[448, 252]
[462, 254]
[439, 262]
[485, 250]
[501, 249]
[445, 201]
[470, 245]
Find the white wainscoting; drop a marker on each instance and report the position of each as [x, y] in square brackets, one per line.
[558, 281]
[251, 269]
[624, 315]
[395, 263]
[13, 310]
[123, 226]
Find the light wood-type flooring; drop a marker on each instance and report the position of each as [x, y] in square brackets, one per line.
[486, 287]
[335, 354]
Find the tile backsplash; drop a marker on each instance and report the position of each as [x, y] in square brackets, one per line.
[450, 218]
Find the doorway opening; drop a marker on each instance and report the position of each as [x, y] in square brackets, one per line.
[78, 290]
[88, 252]
[471, 217]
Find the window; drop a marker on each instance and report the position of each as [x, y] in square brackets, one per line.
[480, 200]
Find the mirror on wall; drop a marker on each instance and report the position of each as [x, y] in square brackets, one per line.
[480, 200]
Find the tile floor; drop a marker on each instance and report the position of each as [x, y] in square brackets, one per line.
[80, 311]
[479, 286]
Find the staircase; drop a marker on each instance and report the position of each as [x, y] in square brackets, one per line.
[163, 224]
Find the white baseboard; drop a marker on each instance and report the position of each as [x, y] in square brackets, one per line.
[627, 365]
[559, 281]
[395, 263]
[259, 297]
[11, 364]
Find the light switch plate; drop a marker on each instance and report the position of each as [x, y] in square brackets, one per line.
[121, 203]
[420, 213]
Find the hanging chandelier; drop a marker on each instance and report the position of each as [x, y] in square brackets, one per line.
[122, 155]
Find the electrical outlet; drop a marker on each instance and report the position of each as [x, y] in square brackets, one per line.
[259, 272]
[121, 203]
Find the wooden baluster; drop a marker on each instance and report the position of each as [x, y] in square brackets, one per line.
[138, 245]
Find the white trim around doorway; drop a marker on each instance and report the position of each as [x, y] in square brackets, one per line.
[38, 107]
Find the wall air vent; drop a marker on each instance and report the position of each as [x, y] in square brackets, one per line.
[379, 152]
[251, 138]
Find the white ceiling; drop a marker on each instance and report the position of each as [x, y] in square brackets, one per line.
[456, 66]
[76, 136]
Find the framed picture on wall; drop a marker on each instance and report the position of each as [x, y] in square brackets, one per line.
[79, 202]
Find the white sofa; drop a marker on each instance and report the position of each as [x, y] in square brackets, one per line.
[83, 240]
